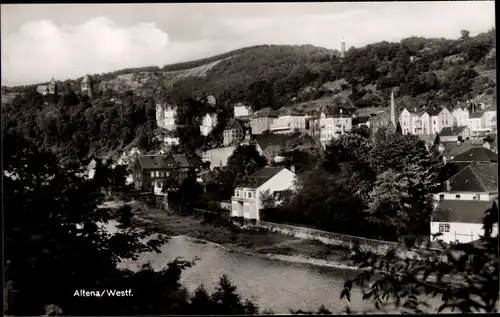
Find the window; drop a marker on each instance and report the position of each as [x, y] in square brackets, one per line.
[441, 227]
[152, 174]
[249, 195]
[157, 173]
[168, 173]
[446, 228]
[457, 196]
[237, 194]
[441, 197]
[162, 174]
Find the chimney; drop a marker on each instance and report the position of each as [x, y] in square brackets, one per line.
[292, 168]
[448, 186]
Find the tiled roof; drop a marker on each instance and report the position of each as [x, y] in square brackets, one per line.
[265, 112]
[157, 161]
[260, 177]
[265, 140]
[477, 154]
[234, 124]
[466, 211]
[454, 148]
[475, 178]
[451, 131]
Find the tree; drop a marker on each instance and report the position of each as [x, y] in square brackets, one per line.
[464, 34]
[43, 256]
[464, 275]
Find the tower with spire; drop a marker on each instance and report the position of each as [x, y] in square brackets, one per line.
[86, 87]
[342, 48]
[52, 87]
[394, 118]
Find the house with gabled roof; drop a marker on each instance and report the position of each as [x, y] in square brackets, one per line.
[271, 145]
[289, 120]
[477, 154]
[461, 221]
[246, 202]
[234, 132]
[153, 171]
[465, 198]
[261, 121]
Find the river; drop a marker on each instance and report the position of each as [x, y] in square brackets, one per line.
[272, 284]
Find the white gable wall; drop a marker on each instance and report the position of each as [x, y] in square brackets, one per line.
[460, 231]
[284, 180]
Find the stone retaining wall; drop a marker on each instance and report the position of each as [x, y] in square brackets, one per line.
[376, 246]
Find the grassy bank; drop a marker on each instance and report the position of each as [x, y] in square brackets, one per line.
[237, 239]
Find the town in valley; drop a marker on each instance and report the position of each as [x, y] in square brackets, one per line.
[233, 183]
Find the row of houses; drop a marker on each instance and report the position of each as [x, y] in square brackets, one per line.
[458, 122]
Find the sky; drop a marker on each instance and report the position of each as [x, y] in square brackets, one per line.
[40, 41]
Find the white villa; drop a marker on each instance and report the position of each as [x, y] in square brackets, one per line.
[242, 110]
[165, 116]
[208, 123]
[246, 202]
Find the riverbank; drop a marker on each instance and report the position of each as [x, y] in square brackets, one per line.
[261, 243]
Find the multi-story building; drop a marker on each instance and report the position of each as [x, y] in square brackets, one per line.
[439, 118]
[333, 123]
[489, 119]
[261, 120]
[246, 202]
[461, 117]
[289, 120]
[208, 123]
[50, 89]
[234, 132]
[165, 116]
[242, 110]
[378, 121]
[157, 171]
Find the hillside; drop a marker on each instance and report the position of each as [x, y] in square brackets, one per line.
[422, 71]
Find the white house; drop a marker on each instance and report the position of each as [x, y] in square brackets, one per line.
[411, 122]
[489, 119]
[461, 221]
[208, 123]
[424, 123]
[461, 117]
[289, 120]
[218, 157]
[461, 207]
[165, 116]
[439, 118]
[246, 202]
[242, 110]
[332, 124]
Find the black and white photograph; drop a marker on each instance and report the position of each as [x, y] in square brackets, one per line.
[249, 158]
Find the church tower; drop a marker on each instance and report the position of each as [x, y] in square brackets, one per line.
[52, 87]
[86, 87]
[342, 48]
[393, 118]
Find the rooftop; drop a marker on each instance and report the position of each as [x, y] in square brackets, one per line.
[466, 211]
[265, 112]
[477, 154]
[477, 178]
[260, 177]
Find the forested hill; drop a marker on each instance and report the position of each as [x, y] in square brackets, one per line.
[121, 113]
[425, 71]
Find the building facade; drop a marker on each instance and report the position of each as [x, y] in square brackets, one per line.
[460, 117]
[242, 110]
[333, 123]
[246, 202]
[208, 123]
[166, 116]
[289, 120]
[234, 132]
[261, 120]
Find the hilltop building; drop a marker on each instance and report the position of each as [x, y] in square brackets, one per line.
[342, 48]
[165, 116]
[86, 86]
[49, 89]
